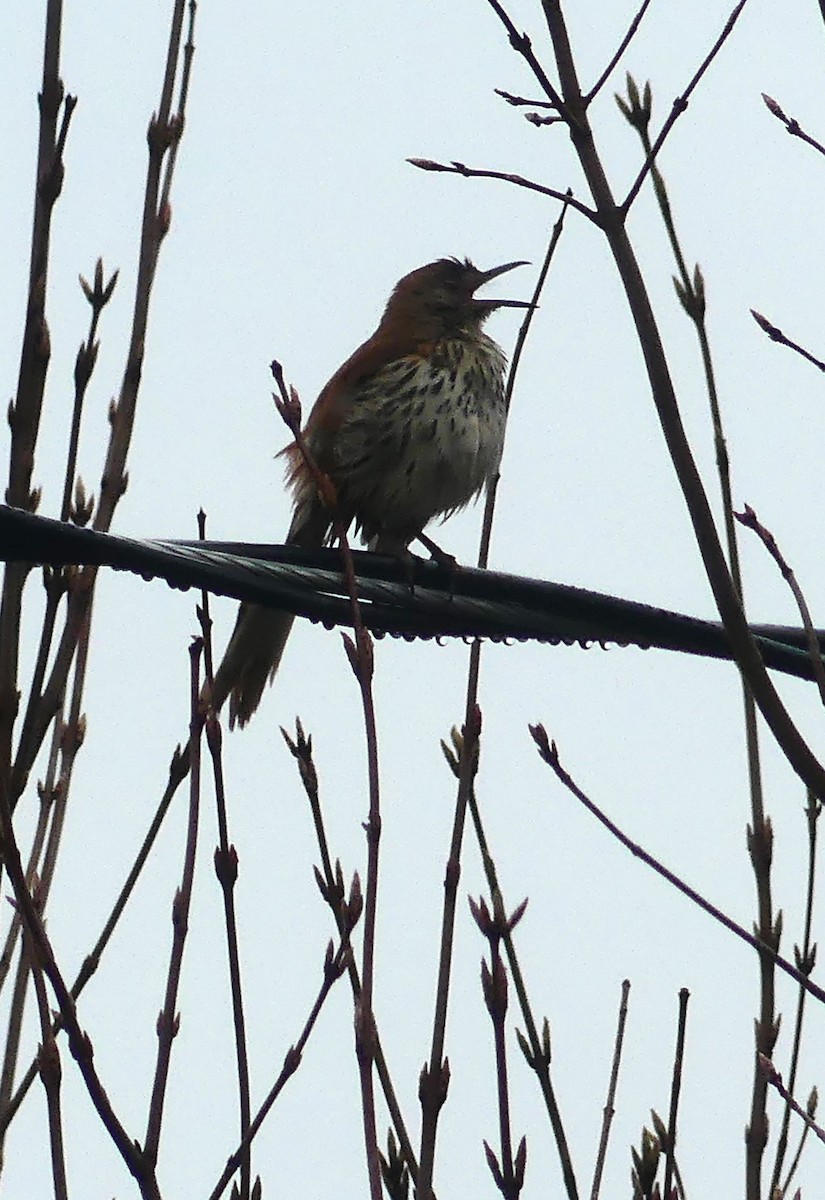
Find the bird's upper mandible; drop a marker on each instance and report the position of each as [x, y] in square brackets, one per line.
[439, 298]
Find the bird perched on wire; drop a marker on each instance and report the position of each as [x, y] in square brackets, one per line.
[410, 428]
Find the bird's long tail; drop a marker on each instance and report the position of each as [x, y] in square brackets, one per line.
[254, 652]
[252, 657]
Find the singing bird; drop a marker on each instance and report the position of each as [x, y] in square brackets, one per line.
[410, 428]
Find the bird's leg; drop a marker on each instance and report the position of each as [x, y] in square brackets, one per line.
[407, 560]
[436, 553]
[445, 560]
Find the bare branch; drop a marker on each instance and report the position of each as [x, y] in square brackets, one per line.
[775, 1080]
[680, 105]
[459, 168]
[623, 45]
[749, 519]
[523, 46]
[791, 124]
[549, 753]
[609, 1109]
[776, 335]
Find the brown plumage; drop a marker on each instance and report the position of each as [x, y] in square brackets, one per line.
[410, 428]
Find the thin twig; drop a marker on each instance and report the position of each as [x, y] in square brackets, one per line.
[178, 770]
[48, 1059]
[459, 168]
[769, 929]
[749, 519]
[524, 101]
[805, 957]
[334, 966]
[623, 45]
[675, 1089]
[331, 885]
[523, 46]
[775, 1080]
[791, 124]
[178, 121]
[361, 659]
[549, 753]
[536, 1051]
[168, 1019]
[795, 1161]
[226, 870]
[512, 375]
[540, 1062]
[507, 1171]
[680, 105]
[79, 1042]
[435, 1075]
[776, 335]
[25, 411]
[609, 1105]
[98, 295]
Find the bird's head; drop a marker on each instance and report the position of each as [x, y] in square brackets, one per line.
[441, 296]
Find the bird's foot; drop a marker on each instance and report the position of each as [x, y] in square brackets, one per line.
[448, 561]
[437, 554]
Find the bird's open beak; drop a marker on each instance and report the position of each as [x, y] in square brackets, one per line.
[493, 273]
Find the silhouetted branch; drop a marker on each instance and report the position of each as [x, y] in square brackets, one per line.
[523, 46]
[775, 1080]
[675, 1090]
[459, 168]
[523, 101]
[749, 519]
[791, 124]
[776, 335]
[334, 966]
[680, 105]
[168, 1018]
[609, 1109]
[549, 754]
[623, 45]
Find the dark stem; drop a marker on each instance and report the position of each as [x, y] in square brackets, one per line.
[333, 969]
[623, 45]
[553, 10]
[609, 1104]
[79, 1042]
[539, 1059]
[226, 869]
[50, 1072]
[24, 413]
[178, 770]
[612, 220]
[360, 654]
[805, 958]
[549, 753]
[167, 1025]
[333, 893]
[675, 1089]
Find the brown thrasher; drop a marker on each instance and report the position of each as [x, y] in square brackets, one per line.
[411, 427]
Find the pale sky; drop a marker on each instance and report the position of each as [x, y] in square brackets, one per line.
[294, 213]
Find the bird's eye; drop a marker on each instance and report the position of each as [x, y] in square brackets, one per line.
[443, 302]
